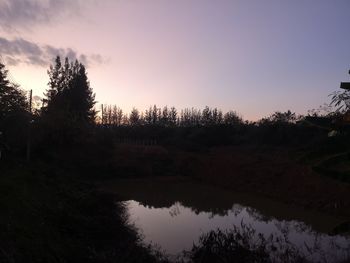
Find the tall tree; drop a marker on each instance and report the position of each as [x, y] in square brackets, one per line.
[12, 99]
[13, 111]
[69, 105]
[156, 113]
[134, 118]
[173, 116]
[207, 116]
[165, 116]
[69, 94]
[232, 118]
[148, 116]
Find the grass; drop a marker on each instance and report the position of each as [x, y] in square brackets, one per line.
[244, 244]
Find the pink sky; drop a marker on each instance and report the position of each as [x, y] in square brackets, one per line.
[254, 57]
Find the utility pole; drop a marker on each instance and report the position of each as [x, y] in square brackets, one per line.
[29, 126]
[102, 114]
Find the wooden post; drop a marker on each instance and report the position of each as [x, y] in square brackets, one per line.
[29, 126]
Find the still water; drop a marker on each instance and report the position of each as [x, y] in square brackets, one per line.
[173, 213]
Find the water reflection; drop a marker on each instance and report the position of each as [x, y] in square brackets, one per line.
[173, 213]
[177, 228]
[163, 193]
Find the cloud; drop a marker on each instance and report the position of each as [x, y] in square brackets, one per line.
[19, 51]
[15, 14]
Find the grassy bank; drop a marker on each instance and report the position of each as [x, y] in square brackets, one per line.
[52, 215]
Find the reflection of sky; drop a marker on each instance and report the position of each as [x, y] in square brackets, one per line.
[177, 227]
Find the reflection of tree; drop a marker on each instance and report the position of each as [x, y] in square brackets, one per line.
[175, 209]
[237, 209]
[243, 244]
[161, 195]
[279, 246]
[300, 227]
[254, 213]
[240, 244]
[321, 247]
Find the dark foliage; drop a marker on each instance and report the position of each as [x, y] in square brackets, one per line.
[13, 114]
[243, 245]
[50, 215]
[54, 217]
[68, 109]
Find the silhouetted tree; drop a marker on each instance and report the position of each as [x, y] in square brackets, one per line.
[12, 99]
[156, 113]
[134, 118]
[111, 115]
[173, 116]
[69, 94]
[217, 118]
[165, 117]
[185, 117]
[148, 116]
[69, 105]
[232, 118]
[206, 116]
[13, 110]
[283, 117]
[190, 117]
[117, 116]
[125, 120]
[341, 99]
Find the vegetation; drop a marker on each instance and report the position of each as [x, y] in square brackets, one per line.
[113, 116]
[50, 215]
[68, 109]
[52, 210]
[69, 93]
[243, 244]
[13, 113]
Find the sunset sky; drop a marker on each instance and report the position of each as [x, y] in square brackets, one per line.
[254, 57]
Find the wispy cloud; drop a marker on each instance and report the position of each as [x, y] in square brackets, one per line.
[15, 14]
[19, 51]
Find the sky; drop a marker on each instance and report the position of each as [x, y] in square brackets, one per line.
[252, 56]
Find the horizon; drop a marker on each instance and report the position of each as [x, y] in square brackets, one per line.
[230, 55]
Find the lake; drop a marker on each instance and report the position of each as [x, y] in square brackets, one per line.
[173, 213]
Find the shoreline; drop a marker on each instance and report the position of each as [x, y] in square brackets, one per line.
[159, 192]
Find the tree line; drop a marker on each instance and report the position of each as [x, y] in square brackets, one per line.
[68, 112]
[112, 115]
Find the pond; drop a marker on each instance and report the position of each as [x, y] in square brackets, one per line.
[173, 213]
